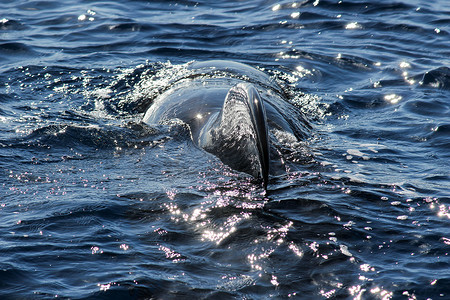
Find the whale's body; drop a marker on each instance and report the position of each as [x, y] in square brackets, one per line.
[231, 110]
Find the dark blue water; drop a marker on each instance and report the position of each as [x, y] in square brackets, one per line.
[96, 205]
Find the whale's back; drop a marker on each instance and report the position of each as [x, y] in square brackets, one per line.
[223, 121]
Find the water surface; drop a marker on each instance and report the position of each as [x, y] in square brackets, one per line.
[94, 204]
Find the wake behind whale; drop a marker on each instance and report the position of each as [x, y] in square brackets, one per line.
[235, 112]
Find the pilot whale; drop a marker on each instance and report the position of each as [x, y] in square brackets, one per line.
[233, 111]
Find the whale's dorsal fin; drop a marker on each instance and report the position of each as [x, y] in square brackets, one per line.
[239, 134]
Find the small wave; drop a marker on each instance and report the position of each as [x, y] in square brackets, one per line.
[10, 278]
[365, 7]
[437, 78]
[131, 135]
[440, 138]
[131, 26]
[14, 49]
[6, 24]
[432, 108]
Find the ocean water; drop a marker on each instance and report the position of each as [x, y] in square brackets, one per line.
[94, 204]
